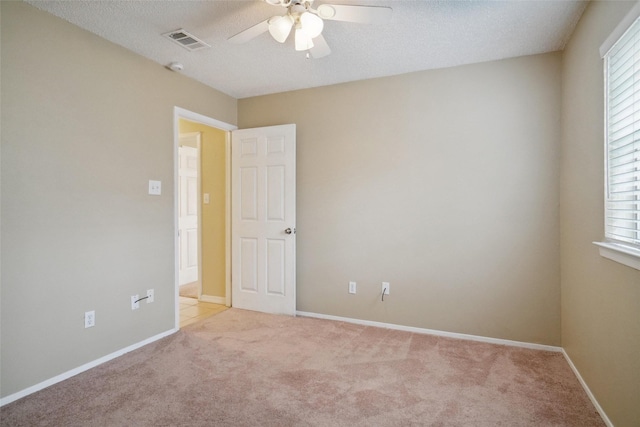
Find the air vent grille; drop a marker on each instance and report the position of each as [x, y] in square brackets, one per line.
[186, 40]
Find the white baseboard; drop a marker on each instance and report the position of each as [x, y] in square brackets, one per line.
[212, 299]
[432, 332]
[606, 419]
[66, 375]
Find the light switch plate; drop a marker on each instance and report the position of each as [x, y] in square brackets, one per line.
[205, 198]
[155, 188]
[352, 287]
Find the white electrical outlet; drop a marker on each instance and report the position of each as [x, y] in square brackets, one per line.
[385, 288]
[89, 319]
[135, 304]
[352, 287]
[150, 296]
[155, 187]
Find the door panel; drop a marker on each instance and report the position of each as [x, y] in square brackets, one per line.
[276, 192]
[263, 207]
[188, 214]
[249, 193]
[275, 262]
[248, 259]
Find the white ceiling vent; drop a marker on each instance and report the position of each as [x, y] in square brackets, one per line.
[186, 40]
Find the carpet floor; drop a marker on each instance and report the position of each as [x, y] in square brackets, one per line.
[242, 368]
[190, 290]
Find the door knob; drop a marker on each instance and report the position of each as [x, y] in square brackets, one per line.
[289, 231]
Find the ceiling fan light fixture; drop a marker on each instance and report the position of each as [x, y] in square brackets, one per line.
[303, 41]
[280, 27]
[311, 24]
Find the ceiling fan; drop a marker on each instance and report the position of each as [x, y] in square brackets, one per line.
[308, 23]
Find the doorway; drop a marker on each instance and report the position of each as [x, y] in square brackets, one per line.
[214, 253]
[264, 233]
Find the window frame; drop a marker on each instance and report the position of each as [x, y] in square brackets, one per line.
[616, 250]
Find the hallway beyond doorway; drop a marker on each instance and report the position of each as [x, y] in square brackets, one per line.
[192, 310]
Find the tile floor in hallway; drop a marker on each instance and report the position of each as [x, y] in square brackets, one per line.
[192, 310]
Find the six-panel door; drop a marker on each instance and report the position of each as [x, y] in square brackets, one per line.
[263, 208]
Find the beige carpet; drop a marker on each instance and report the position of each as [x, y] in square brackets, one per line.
[241, 368]
[190, 290]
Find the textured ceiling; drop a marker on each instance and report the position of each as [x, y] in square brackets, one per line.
[421, 35]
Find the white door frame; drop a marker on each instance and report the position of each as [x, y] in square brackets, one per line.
[181, 113]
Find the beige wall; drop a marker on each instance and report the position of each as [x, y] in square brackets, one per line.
[85, 125]
[213, 181]
[444, 183]
[600, 298]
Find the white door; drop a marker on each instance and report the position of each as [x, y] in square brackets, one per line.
[263, 211]
[188, 159]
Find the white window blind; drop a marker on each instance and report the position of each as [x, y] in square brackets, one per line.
[622, 71]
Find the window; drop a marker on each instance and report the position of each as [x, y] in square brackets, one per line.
[622, 67]
[622, 141]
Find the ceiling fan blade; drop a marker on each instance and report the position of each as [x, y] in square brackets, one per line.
[359, 14]
[320, 47]
[250, 33]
